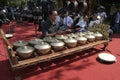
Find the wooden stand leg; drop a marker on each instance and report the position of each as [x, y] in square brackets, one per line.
[17, 75]
[18, 78]
[105, 45]
[14, 60]
[36, 26]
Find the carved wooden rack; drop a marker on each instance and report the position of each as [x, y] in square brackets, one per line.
[17, 64]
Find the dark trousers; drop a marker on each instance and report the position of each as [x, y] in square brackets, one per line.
[116, 27]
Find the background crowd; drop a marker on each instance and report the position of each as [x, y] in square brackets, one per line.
[73, 14]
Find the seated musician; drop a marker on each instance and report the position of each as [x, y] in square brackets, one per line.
[67, 20]
[94, 20]
[82, 24]
[97, 21]
[50, 27]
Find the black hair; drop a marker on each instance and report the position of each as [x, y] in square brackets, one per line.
[64, 12]
[51, 11]
[85, 15]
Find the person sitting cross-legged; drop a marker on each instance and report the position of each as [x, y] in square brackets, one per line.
[50, 27]
[82, 24]
[94, 20]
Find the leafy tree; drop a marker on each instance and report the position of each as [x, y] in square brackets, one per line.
[12, 2]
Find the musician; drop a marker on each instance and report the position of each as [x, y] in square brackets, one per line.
[94, 21]
[50, 27]
[102, 14]
[82, 24]
[67, 20]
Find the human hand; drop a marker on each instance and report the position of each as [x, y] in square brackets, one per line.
[68, 30]
[60, 32]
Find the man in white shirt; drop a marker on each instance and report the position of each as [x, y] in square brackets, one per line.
[102, 14]
[83, 24]
[67, 20]
[94, 21]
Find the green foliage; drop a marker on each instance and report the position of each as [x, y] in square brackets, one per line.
[102, 28]
[12, 2]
